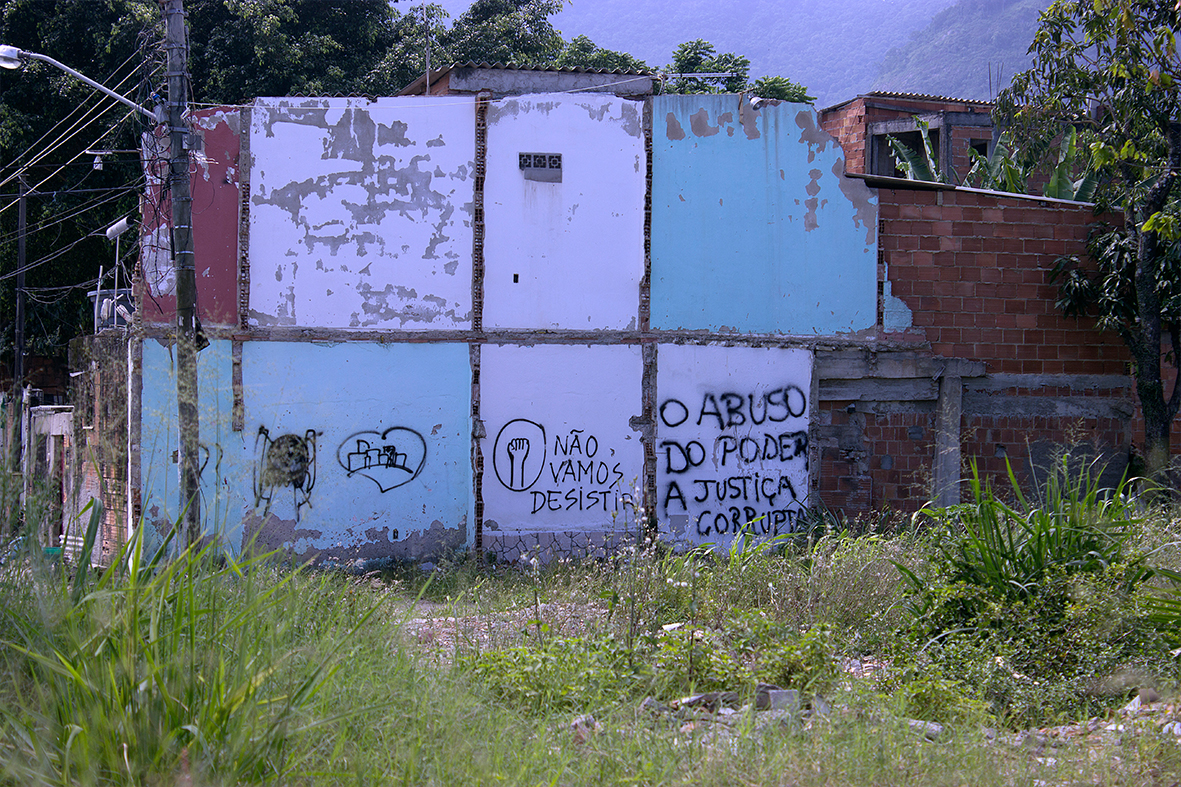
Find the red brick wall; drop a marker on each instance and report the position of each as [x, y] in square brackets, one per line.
[973, 269]
[974, 272]
[895, 471]
[848, 124]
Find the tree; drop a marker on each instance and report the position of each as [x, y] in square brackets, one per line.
[781, 88]
[48, 120]
[700, 57]
[1111, 67]
[581, 52]
[241, 49]
[518, 32]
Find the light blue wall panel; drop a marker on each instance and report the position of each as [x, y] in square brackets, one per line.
[222, 491]
[754, 226]
[358, 451]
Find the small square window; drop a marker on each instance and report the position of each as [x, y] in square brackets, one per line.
[543, 167]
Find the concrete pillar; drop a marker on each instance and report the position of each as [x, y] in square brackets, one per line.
[946, 487]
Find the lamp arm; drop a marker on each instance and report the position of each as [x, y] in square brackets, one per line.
[100, 88]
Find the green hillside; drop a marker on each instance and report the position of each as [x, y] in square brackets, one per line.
[953, 54]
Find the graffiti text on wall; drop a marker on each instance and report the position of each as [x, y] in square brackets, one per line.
[574, 473]
[389, 459]
[287, 460]
[734, 462]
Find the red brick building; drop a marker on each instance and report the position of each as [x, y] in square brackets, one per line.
[862, 125]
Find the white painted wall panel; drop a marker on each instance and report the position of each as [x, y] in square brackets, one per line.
[560, 454]
[360, 212]
[566, 254]
[731, 441]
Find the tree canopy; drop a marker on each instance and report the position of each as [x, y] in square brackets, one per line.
[505, 31]
[1111, 69]
[48, 122]
[581, 52]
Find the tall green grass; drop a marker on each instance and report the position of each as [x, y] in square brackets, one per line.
[153, 668]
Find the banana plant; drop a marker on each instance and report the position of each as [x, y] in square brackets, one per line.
[918, 166]
[999, 171]
[1060, 184]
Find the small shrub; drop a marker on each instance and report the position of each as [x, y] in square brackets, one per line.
[561, 674]
[1015, 553]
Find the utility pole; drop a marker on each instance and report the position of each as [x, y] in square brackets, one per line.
[176, 46]
[18, 365]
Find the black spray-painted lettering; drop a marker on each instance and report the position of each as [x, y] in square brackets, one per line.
[734, 520]
[733, 410]
[582, 479]
[735, 460]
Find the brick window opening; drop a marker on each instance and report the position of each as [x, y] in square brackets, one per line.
[543, 167]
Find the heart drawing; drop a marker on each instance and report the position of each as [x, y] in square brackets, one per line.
[389, 459]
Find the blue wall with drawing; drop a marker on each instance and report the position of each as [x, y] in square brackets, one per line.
[755, 228]
[350, 451]
[358, 450]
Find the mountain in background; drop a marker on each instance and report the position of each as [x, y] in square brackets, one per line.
[836, 48]
[953, 55]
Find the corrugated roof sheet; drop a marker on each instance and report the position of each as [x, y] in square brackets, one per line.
[908, 96]
[570, 70]
[924, 97]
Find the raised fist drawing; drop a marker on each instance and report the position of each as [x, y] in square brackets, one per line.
[518, 449]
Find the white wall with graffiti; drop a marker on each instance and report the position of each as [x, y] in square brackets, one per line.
[731, 441]
[563, 466]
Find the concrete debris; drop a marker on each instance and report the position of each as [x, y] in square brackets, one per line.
[584, 727]
[930, 730]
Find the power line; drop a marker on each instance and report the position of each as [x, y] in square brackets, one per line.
[56, 253]
[84, 208]
[61, 138]
[46, 179]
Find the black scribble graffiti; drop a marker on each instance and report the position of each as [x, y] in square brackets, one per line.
[517, 441]
[209, 452]
[288, 460]
[389, 459]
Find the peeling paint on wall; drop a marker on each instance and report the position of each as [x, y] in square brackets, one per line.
[758, 231]
[373, 230]
[215, 193]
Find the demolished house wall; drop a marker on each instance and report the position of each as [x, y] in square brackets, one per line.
[97, 464]
[442, 344]
[523, 324]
